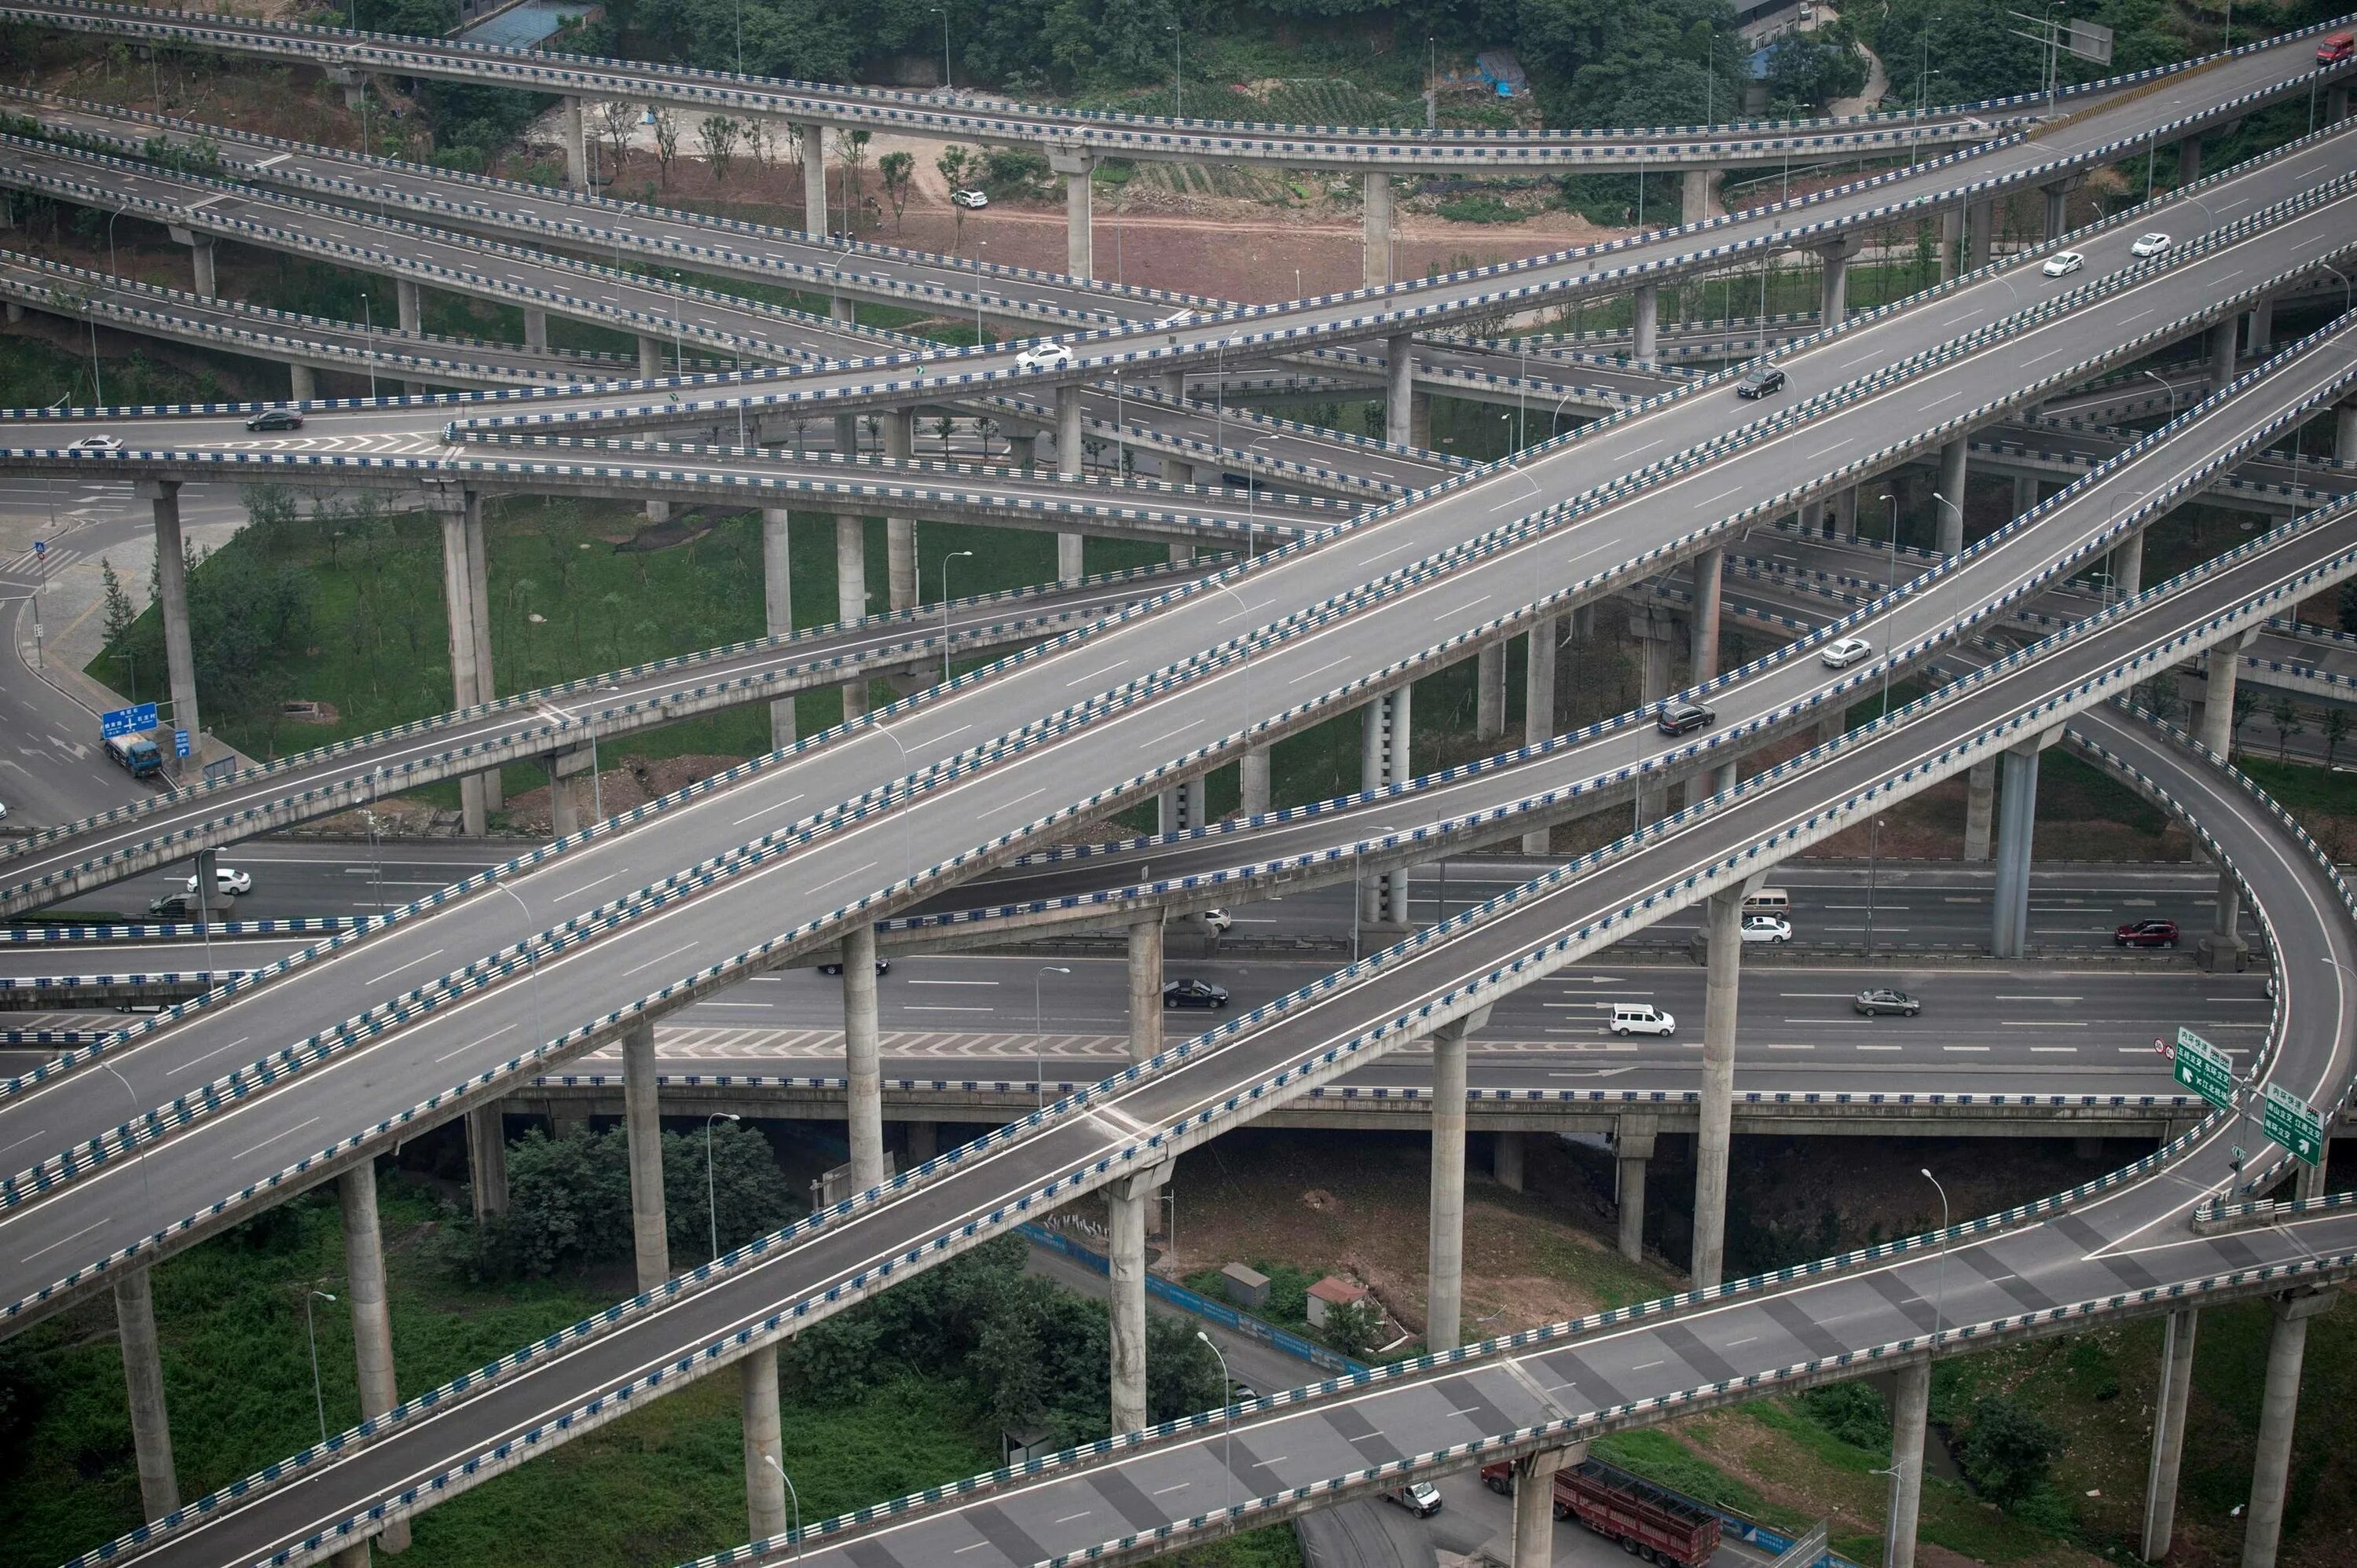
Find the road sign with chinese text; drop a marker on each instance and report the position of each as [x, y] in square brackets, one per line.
[2203, 1069]
[2285, 1117]
[126, 721]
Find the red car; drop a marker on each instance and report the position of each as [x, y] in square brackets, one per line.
[2336, 49]
[2147, 934]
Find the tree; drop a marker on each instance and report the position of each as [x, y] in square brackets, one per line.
[851, 147]
[118, 610]
[955, 164]
[2007, 1449]
[2285, 719]
[2246, 702]
[1182, 1376]
[718, 134]
[2336, 730]
[758, 143]
[896, 170]
[615, 119]
[666, 141]
[1353, 1327]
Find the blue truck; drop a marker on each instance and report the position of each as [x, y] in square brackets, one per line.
[135, 755]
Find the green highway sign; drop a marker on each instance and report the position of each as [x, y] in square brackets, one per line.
[2203, 1069]
[2285, 1117]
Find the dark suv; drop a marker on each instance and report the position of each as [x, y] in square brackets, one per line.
[1684, 718]
[1759, 380]
[2147, 934]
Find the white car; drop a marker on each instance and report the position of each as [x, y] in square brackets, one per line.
[974, 199]
[1642, 1018]
[1847, 651]
[1046, 356]
[95, 443]
[226, 881]
[2062, 263]
[2149, 245]
[1218, 920]
[1766, 929]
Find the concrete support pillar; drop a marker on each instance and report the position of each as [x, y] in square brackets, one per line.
[924, 1142]
[1980, 807]
[813, 150]
[1694, 193]
[205, 278]
[577, 146]
[2058, 198]
[487, 1160]
[764, 1485]
[778, 607]
[2220, 670]
[2224, 951]
[535, 328]
[2025, 493]
[2169, 1433]
[651, 358]
[863, 1063]
[1376, 229]
[2336, 103]
[1506, 1160]
[162, 497]
[1832, 282]
[1490, 693]
[1126, 1228]
[563, 806]
[356, 1555]
[2017, 822]
[1952, 240]
[1709, 567]
[1070, 457]
[1386, 748]
[304, 382]
[364, 1290]
[1538, 708]
[851, 597]
[1982, 229]
[2259, 327]
[1646, 320]
[1445, 1252]
[1533, 1537]
[1910, 1405]
[1399, 389]
[405, 300]
[1844, 508]
[902, 590]
[1145, 989]
[143, 1381]
[461, 514]
[1077, 170]
[1722, 926]
[479, 606]
[2344, 433]
[1252, 778]
[2278, 1408]
[2189, 160]
[2128, 565]
[2222, 354]
[1949, 497]
[642, 1121]
[1632, 1149]
[1185, 806]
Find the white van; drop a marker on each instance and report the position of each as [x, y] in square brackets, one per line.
[1773, 901]
[1642, 1018]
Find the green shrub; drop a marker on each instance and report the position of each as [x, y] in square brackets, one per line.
[2007, 1449]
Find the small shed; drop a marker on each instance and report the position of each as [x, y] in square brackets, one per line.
[1331, 1293]
[1247, 1288]
[1502, 70]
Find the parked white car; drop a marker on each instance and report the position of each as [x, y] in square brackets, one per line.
[1766, 929]
[974, 199]
[2062, 263]
[1845, 652]
[1046, 356]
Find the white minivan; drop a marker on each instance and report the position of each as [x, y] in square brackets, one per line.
[1642, 1018]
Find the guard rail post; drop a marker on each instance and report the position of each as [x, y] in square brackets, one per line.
[1376, 229]
[143, 1378]
[1145, 989]
[461, 516]
[765, 1481]
[1909, 1406]
[2278, 1408]
[1534, 1538]
[1538, 707]
[863, 1070]
[643, 1129]
[487, 1160]
[778, 608]
[1723, 941]
[1632, 1152]
[1125, 1202]
[1980, 806]
[1069, 455]
[1385, 742]
[371, 1313]
[2016, 828]
[900, 532]
[2169, 1433]
[1399, 389]
[1078, 169]
[1445, 1238]
[162, 497]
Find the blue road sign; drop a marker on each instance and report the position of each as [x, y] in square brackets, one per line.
[180, 743]
[126, 721]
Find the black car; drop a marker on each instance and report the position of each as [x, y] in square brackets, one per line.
[1684, 718]
[883, 966]
[1759, 380]
[275, 419]
[1881, 999]
[1193, 993]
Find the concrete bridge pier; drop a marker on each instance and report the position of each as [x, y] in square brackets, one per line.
[1980, 806]
[2169, 1433]
[1833, 283]
[1948, 500]
[1845, 513]
[1702, 626]
[1376, 229]
[1444, 1241]
[1812, 520]
[1126, 1203]
[1911, 1404]
[200, 261]
[1386, 748]
[1645, 325]
[371, 1319]
[2222, 353]
[2220, 670]
[2278, 1408]
[863, 1064]
[535, 328]
[902, 590]
[576, 145]
[1633, 1150]
[1078, 169]
[1694, 193]
[2025, 493]
[765, 1485]
[1657, 634]
[811, 138]
[2058, 206]
[1723, 936]
[162, 497]
[651, 367]
[1952, 240]
[2128, 565]
[2016, 826]
[143, 1379]
[412, 320]
[1185, 806]
[1070, 455]
[1145, 989]
[2345, 433]
[1506, 1155]
[304, 382]
[1399, 389]
[642, 1121]
[487, 1160]
[1538, 708]
[1252, 780]
[1490, 692]
[2259, 325]
[778, 607]
[465, 598]
[851, 597]
[2224, 951]
[1534, 1538]
[1982, 229]
[2189, 160]
[2336, 103]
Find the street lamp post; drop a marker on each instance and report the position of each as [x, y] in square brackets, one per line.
[531, 958]
[1040, 1034]
[711, 1186]
[789, 1480]
[311, 1332]
[2167, 386]
[1940, 1286]
[1227, 1418]
[945, 611]
[946, 84]
[1873, 860]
